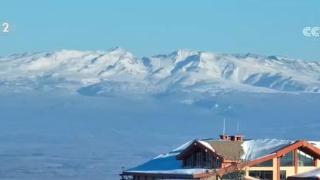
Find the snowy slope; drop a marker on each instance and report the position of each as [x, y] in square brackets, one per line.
[187, 71]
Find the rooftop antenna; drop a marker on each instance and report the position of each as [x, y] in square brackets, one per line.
[238, 126]
[224, 127]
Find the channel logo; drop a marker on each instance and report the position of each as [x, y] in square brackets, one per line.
[311, 31]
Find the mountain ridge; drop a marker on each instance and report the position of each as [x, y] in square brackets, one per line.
[180, 71]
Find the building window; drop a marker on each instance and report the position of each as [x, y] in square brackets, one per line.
[305, 159]
[266, 175]
[283, 175]
[208, 160]
[217, 163]
[287, 159]
[263, 175]
[189, 161]
[200, 158]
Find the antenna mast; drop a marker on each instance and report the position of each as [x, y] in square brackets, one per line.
[238, 126]
[224, 127]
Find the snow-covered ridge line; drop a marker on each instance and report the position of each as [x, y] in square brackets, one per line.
[188, 71]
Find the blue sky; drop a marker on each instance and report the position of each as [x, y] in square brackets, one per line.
[147, 27]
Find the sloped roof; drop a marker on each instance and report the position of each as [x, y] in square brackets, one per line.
[241, 150]
[166, 164]
[230, 150]
[254, 149]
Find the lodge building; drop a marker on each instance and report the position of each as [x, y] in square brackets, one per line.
[232, 157]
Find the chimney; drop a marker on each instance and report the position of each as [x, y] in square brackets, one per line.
[231, 138]
[239, 137]
[224, 137]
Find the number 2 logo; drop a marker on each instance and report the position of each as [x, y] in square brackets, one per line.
[5, 27]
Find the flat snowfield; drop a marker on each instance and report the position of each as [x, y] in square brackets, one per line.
[51, 136]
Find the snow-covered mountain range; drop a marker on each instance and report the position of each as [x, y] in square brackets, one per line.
[119, 71]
